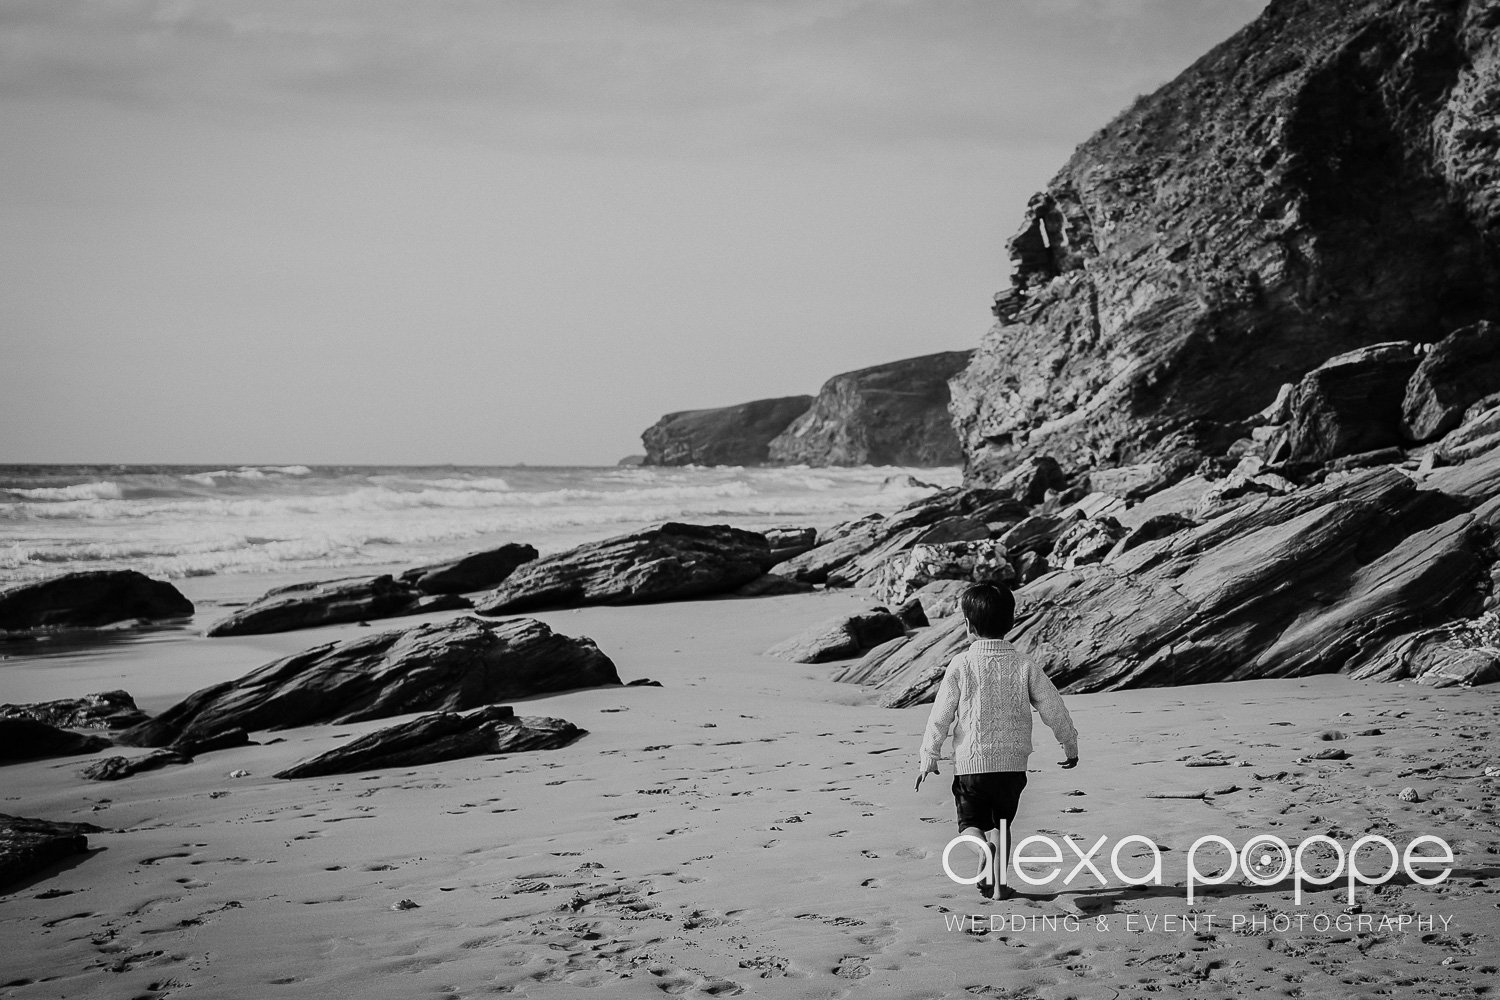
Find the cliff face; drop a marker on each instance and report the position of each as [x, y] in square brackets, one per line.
[892, 414]
[727, 435]
[1328, 178]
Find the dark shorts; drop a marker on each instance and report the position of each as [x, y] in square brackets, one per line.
[983, 800]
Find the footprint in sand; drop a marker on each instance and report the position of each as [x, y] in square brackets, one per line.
[851, 967]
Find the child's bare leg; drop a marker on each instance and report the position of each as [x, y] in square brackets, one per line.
[1001, 840]
[978, 834]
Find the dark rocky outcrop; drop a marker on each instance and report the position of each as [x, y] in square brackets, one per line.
[442, 666]
[28, 846]
[475, 571]
[332, 602]
[848, 552]
[908, 670]
[788, 542]
[891, 414]
[104, 710]
[1461, 369]
[840, 638]
[117, 768]
[726, 435]
[969, 562]
[1324, 180]
[666, 562]
[23, 738]
[90, 599]
[1456, 653]
[1324, 579]
[494, 729]
[1350, 404]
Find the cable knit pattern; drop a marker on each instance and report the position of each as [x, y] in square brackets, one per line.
[986, 698]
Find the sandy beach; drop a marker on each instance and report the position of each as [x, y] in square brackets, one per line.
[748, 828]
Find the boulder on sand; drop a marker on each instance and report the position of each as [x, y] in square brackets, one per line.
[840, 638]
[439, 666]
[332, 602]
[116, 768]
[28, 846]
[666, 562]
[90, 599]
[493, 729]
[103, 710]
[23, 738]
[787, 542]
[475, 571]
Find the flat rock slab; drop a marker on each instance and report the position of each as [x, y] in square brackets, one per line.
[90, 599]
[840, 638]
[103, 710]
[494, 729]
[29, 845]
[115, 768]
[441, 666]
[332, 602]
[23, 738]
[665, 562]
[475, 571]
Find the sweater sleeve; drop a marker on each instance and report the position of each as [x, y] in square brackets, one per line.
[1049, 705]
[940, 721]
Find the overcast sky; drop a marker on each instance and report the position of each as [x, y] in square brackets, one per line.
[392, 231]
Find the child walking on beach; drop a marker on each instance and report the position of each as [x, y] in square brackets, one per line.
[986, 698]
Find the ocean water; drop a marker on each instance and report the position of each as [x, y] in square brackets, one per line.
[243, 523]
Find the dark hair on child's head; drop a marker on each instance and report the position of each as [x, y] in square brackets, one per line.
[990, 610]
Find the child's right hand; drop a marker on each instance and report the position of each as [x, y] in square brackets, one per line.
[1069, 763]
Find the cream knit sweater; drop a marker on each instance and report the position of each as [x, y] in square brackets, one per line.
[986, 698]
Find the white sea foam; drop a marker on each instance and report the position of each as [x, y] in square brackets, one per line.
[80, 491]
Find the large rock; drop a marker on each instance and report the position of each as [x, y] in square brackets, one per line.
[666, 562]
[117, 768]
[493, 729]
[840, 638]
[787, 542]
[90, 599]
[475, 571]
[981, 561]
[1324, 180]
[442, 667]
[848, 552]
[331, 602]
[1461, 369]
[1317, 581]
[28, 846]
[24, 738]
[1456, 653]
[907, 671]
[103, 710]
[1350, 404]
[727, 435]
[891, 414]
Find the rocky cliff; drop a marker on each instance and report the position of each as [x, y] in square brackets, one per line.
[1324, 180]
[727, 435]
[891, 414]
